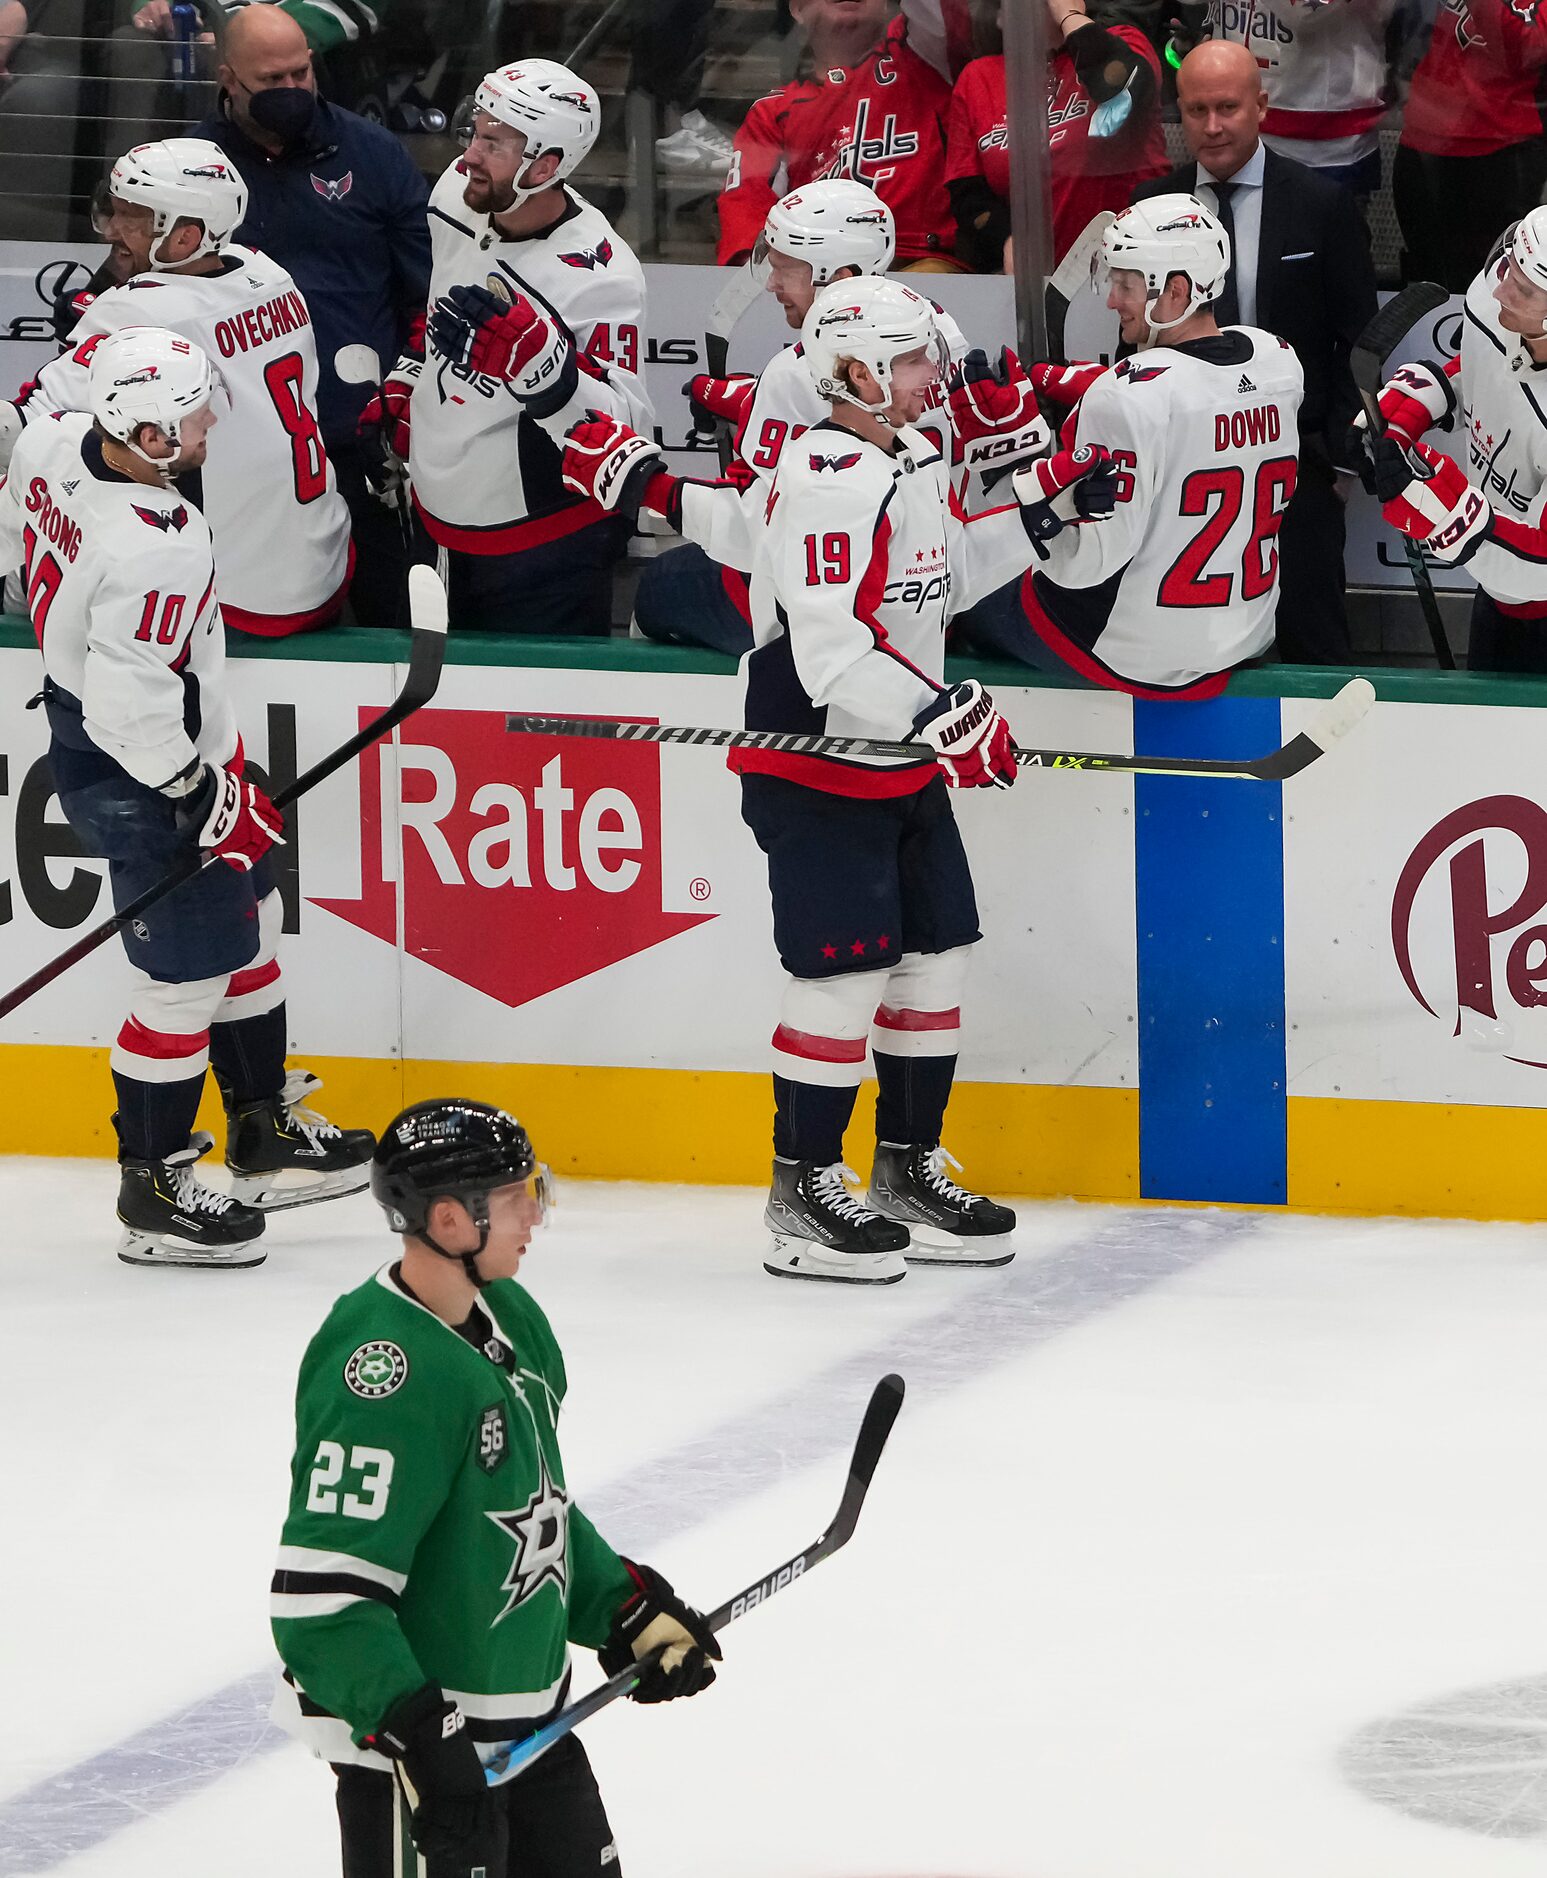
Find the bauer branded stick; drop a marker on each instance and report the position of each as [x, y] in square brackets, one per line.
[359, 365]
[427, 605]
[880, 1413]
[1336, 718]
[1367, 362]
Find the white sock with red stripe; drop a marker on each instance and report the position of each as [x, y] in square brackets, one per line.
[819, 1063]
[249, 1035]
[158, 1063]
[915, 1038]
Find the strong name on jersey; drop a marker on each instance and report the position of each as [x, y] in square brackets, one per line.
[120, 580]
[485, 475]
[430, 1536]
[280, 527]
[864, 556]
[1323, 68]
[1181, 582]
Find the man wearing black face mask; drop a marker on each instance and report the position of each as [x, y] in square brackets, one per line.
[339, 203]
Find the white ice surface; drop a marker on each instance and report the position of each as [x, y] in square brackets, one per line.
[1123, 1593]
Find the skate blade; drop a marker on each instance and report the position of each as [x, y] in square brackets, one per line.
[296, 1186]
[799, 1258]
[977, 1252]
[144, 1248]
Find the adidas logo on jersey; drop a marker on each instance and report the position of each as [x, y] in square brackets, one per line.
[71, 486]
[1245, 384]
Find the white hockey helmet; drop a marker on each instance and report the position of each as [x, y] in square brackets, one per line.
[1528, 247]
[874, 320]
[147, 375]
[839, 223]
[182, 177]
[551, 107]
[1164, 236]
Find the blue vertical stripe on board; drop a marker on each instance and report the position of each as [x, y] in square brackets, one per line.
[1209, 893]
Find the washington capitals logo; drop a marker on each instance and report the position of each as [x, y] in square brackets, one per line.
[540, 1530]
[1138, 374]
[169, 524]
[820, 463]
[595, 257]
[333, 188]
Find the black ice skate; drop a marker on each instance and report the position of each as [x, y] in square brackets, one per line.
[282, 1153]
[822, 1229]
[171, 1218]
[949, 1225]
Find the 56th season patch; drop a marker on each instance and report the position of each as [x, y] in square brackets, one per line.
[493, 1442]
[375, 1370]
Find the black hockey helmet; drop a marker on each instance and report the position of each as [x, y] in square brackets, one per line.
[450, 1148]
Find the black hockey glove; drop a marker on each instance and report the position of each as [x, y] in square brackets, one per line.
[655, 1615]
[456, 1816]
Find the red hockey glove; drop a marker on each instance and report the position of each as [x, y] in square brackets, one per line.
[618, 469]
[509, 340]
[716, 401]
[1428, 498]
[654, 1616]
[1414, 399]
[994, 414]
[382, 431]
[229, 816]
[971, 741]
[1073, 486]
[1064, 384]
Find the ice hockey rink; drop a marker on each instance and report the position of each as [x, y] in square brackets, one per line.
[1208, 1543]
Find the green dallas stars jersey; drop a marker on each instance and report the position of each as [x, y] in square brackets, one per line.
[430, 1537]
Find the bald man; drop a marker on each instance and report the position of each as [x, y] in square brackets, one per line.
[1302, 269]
[338, 202]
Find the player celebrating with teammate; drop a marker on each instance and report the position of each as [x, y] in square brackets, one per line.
[434, 1567]
[146, 760]
[280, 527]
[537, 311]
[1182, 583]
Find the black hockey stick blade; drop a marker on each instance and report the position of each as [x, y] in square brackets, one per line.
[1367, 362]
[880, 1413]
[427, 650]
[1341, 714]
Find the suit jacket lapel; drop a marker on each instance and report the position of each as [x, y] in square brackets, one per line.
[1270, 240]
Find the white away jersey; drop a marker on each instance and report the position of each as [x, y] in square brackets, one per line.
[120, 584]
[1181, 583]
[485, 475]
[1324, 68]
[280, 527]
[1503, 395]
[864, 556]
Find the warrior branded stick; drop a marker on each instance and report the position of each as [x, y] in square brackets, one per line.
[880, 1413]
[1367, 362]
[1335, 720]
[427, 647]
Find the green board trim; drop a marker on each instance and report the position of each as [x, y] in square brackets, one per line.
[374, 646]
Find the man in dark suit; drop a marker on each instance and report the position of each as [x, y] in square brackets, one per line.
[1301, 269]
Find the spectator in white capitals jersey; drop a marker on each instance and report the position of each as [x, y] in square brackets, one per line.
[280, 527]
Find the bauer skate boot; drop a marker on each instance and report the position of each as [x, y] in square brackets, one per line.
[948, 1225]
[171, 1218]
[822, 1229]
[282, 1153]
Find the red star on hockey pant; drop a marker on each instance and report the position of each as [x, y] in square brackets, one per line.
[857, 950]
[829, 952]
[883, 944]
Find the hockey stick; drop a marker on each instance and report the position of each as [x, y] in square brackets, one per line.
[427, 601]
[1367, 362]
[1071, 274]
[735, 297]
[359, 365]
[880, 1413]
[1336, 719]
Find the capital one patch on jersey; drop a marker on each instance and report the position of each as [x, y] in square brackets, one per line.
[376, 1370]
[493, 1442]
[540, 1530]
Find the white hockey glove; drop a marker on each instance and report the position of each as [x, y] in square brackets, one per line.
[1425, 496]
[1072, 486]
[11, 427]
[227, 815]
[971, 741]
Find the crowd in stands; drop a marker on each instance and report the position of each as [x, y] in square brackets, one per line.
[1345, 146]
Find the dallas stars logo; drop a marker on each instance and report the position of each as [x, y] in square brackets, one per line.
[540, 1531]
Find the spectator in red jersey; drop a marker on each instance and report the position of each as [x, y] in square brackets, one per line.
[1094, 74]
[872, 109]
[1472, 155]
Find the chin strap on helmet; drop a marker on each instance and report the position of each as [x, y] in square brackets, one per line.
[477, 1205]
